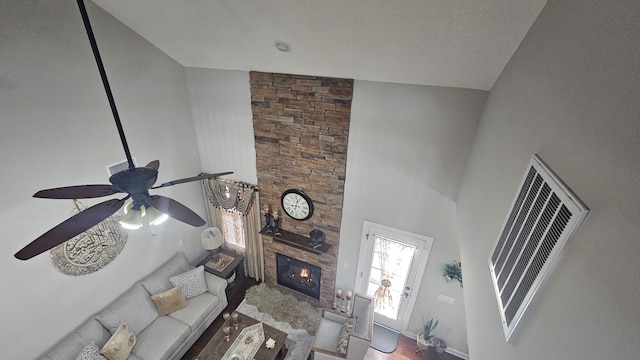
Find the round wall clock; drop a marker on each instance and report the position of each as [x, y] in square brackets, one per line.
[297, 204]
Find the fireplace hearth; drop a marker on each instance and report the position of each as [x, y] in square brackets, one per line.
[298, 275]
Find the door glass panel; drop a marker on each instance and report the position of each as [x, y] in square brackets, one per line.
[388, 276]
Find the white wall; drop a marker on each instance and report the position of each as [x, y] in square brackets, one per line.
[221, 106]
[570, 94]
[407, 148]
[57, 130]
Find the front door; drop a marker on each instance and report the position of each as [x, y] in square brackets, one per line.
[390, 270]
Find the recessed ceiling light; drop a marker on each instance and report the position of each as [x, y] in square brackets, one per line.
[282, 46]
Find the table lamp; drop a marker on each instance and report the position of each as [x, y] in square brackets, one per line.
[212, 240]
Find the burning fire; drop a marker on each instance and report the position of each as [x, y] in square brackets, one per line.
[304, 273]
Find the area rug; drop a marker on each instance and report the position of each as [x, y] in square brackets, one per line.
[383, 339]
[287, 312]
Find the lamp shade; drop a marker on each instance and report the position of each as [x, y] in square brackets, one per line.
[132, 219]
[155, 217]
[211, 238]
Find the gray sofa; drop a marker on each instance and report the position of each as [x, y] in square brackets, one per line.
[158, 337]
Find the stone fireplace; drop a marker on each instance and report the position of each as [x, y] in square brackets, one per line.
[301, 131]
[298, 275]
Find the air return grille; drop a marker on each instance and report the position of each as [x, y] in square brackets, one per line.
[544, 215]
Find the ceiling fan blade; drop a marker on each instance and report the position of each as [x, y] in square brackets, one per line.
[155, 164]
[77, 192]
[175, 209]
[193, 178]
[71, 227]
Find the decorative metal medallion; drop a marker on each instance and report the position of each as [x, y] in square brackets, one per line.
[91, 250]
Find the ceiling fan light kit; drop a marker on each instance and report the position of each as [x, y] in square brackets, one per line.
[134, 181]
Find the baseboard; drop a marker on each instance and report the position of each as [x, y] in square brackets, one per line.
[449, 350]
[457, 353]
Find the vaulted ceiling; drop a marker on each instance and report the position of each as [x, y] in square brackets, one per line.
[455, 43]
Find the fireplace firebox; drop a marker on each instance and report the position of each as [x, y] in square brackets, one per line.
[298, 275]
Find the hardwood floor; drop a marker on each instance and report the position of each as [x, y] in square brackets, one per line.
[407, 351]
[406, 346]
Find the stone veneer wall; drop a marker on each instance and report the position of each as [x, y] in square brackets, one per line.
[301, 128]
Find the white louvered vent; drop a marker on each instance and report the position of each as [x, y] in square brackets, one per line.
[117, 167]
[543, 216]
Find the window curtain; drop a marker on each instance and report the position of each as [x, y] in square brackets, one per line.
[226, 195]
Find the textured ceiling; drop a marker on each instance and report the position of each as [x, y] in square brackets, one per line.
[456, 43]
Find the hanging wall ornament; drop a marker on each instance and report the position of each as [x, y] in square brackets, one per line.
[91, 250]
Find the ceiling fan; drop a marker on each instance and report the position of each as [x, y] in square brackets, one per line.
[134, 181]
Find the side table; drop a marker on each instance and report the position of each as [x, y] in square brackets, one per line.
[235, 266]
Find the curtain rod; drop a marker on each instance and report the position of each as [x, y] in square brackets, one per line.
[255, 188]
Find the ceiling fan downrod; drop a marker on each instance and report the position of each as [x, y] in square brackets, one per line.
[105, 81]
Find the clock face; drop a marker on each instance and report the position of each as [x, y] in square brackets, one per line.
[297, 204]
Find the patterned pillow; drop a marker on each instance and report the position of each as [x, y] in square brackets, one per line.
[343, 340]
[169, 301]
[120, 345]
[192, 282]
[91, 351]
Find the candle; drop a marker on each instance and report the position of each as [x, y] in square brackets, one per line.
[349, 294]
[276, 214]
[339, 293]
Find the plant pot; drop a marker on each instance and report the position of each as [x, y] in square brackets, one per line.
[440, 345]
[422, 343]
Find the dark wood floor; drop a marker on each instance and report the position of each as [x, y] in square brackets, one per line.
[406, 346]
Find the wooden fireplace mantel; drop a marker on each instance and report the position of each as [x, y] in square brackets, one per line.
[296, 241]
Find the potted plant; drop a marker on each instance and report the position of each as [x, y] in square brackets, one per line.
[452, 271]
[426, 338]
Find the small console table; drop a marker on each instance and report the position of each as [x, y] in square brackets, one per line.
[237, 266]
[296, 241]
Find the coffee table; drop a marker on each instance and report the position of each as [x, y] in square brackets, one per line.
[217, 346]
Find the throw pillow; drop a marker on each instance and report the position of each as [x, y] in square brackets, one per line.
[169, 301]
[192, 282]
[120, 345]
[343, 340]
[90, 351]
[133, 307]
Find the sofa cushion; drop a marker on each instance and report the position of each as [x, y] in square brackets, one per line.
[91, 351]
[169, 301]
[161, 339]
[327, 335]
[192, 282]
[158, 281]
[198, 309]
[120, 344]
[73, 343]
[133, 307]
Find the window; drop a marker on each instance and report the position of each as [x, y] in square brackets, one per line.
[232, 227]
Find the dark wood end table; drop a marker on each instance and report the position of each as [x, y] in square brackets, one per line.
[237, 266]
[217, 346]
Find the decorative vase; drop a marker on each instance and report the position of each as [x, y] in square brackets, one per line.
[268, 217]
[440, 345]
[276, 224]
